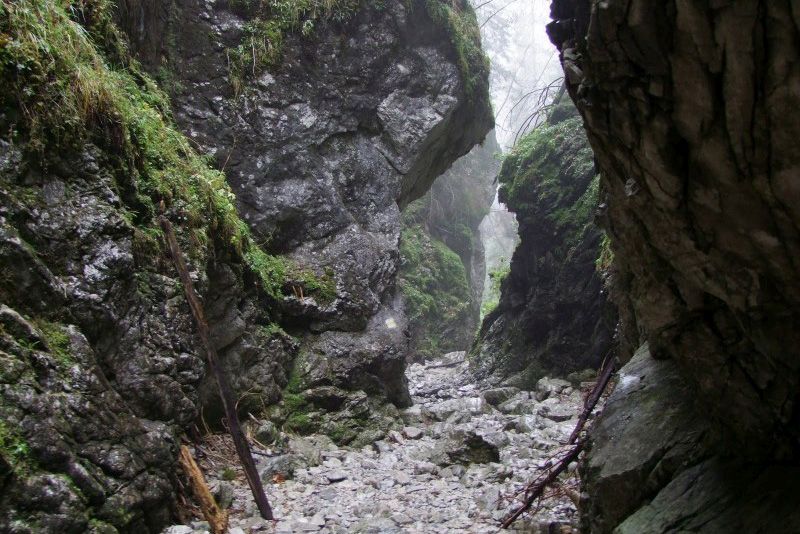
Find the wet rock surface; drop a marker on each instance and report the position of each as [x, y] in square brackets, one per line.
[450, 466]
[355, 121]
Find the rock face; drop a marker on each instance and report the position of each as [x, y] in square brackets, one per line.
[691, 109]
[99, 368]
[322, 151]
[440, 231]
[553, 316]
[100, 373]
[653, 465]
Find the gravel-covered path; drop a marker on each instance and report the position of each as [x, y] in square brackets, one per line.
[458, 456]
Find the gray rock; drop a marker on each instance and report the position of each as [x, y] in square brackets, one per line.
[412, 415]
[224, 495]
[469, 447]
[267, 432]
[556, 412]
[644, 435]
[547, 387]
[411, 432]
[497, 396]
[284, 465]
[336, 476]
[425, 467]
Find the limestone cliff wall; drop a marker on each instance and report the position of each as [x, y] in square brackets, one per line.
[100, 373]
[323, 148]
[691, 109]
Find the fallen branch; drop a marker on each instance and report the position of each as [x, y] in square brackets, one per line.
[593, 398]
[536, 489]
[217, 518]
[225, 391]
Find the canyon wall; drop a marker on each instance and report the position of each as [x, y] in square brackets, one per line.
[323, 145]
[101, 373]
[691, 110]
[553, 317]
[443, 265]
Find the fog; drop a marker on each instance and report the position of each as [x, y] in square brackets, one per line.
[525, 70]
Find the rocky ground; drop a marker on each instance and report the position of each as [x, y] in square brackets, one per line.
[454, 464]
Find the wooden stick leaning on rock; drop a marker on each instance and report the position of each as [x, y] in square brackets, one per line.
[225, 391]
[217, 518]
[536, 488]
[606, 373]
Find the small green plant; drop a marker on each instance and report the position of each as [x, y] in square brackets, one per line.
[272, 330]
[270, 21]
[300, 423]
[228, 473]
[13, 448]
[496, 278]
[57, 340]
[606, 256]
[436, 288]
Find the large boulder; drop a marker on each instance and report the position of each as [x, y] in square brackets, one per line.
[653, 465]
[323, 148]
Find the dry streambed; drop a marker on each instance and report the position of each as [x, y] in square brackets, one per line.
[455, 463]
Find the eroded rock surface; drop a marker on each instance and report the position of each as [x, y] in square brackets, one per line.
[691, 109]
[323, 151]
[692, 125]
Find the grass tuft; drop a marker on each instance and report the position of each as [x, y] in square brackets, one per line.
[270, 21]
[67, 80]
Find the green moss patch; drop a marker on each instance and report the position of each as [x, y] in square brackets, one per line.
[436, 288]
[458, 19]
[549, 179]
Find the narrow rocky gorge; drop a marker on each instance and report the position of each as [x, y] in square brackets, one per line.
[327, 166]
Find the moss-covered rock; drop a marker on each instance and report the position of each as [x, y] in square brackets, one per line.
[100, 368]
[552, 316]
[434, 282]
